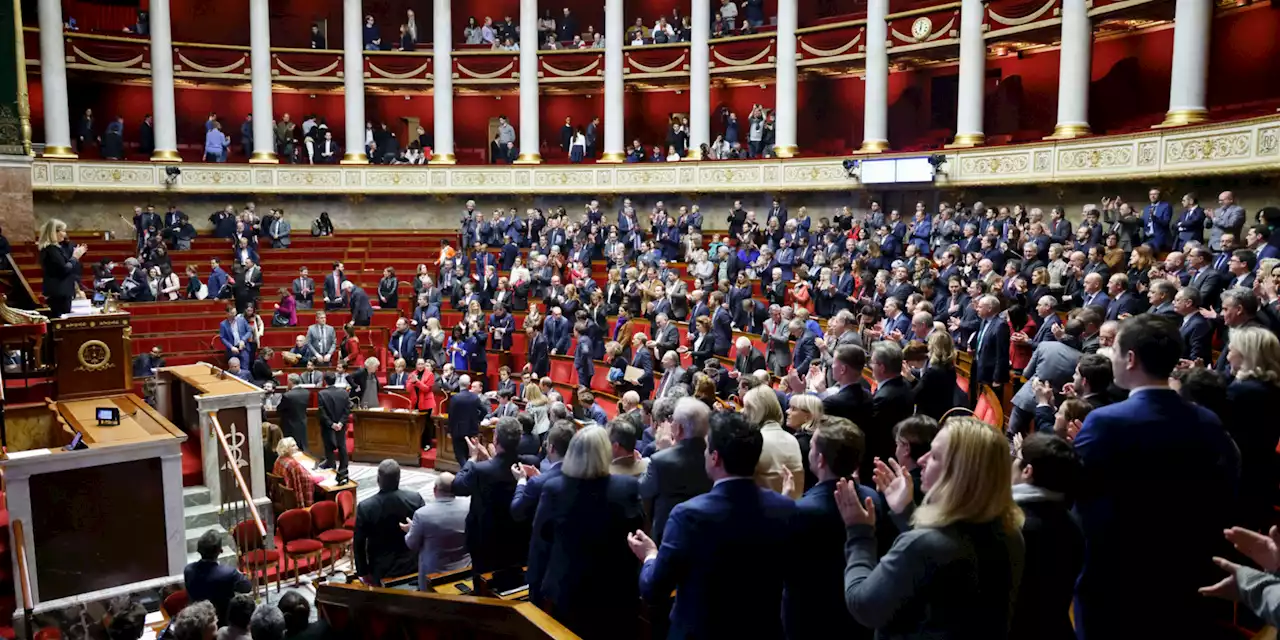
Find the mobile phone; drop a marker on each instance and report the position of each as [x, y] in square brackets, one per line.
[463, 588]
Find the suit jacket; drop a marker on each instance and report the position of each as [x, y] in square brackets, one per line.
[215, 582]
[1124, 303]
[806, 350]
[1211, 283]
[892, 403]
[750, 361]
[378, 545]
[1190, 227]
[722, 330]
[1132, 452]
[61, 271]
[671, 378]
[701, 556]
[813, 603]
[582, 362]
[322, 339]
[495, 539]
[674, 475]
[292, 411]
[1045, 332]
[1197, 338]
[578, 557]
[465, 413]
[524, 508]
[644, 360]
[936, 391]
[540, 356]
[1054, 362]
[851, 402]
[361, 308]
[335, 408]
[991, 352]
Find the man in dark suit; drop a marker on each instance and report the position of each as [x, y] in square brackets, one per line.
[558, 332]
[1046, 308]
[666, 337]
[1195, 329]
[707, 538]
[749, 358]
[990, 349]
[812, 605]
[333, 287]
[1053, 362]
[1133, 451]
[676, 471]
[721, 324]
[806, 349]
[208, 579]
[539, 358]
[1160, 298]
[465, 413]
[1123, 303]
[582, 362]
[1190, 223]
[529, 483]
[494, 538]
[335, 409]
[1209, 281]
[361, 308]
[848, 399]
[893, 402]
[293, 411]
[378, 545]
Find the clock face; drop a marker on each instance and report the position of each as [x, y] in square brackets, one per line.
[921, 28]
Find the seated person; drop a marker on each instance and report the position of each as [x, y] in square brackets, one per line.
[296, 477]
[143, 364]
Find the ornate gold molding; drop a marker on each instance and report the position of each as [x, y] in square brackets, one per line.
[1243, 147]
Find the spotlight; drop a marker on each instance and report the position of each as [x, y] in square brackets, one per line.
[851, 168]
[936, 161]
[171, 174]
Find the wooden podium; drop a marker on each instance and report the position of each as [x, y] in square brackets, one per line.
[94, 355]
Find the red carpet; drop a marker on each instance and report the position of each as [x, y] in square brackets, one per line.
[192, 467]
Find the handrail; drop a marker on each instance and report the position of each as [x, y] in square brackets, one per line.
[24, 573]
[244, 487]
[26, 286]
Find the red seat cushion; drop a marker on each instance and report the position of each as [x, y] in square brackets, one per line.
[259, 557]
[335, 536]
[350, 523]
[303, 546]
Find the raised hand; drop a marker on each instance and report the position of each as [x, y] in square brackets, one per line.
[1044, 391]
[897, 487]
[663, 439]
[1264, 550]
[517, 472]
[1226, 589]
[853, 510]
[530, 471]
[641, 545]
[406, 525]
[788, 481]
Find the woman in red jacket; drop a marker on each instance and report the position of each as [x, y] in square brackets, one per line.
[422, 392]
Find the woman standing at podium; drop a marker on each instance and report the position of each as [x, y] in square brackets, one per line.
[60, 261]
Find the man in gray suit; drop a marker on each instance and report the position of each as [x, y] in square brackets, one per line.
[322, 339]
[672, 375]
[1227, 218]
[841, 330]
[279, 231]
[438, 532]
[1053, 362]
[665, 338]
[677, 471]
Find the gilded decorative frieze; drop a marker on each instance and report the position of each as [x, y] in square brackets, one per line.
[810, 174]
[1095, 158]
[1269, 141]
[746, 175]
[481, 179]
[200, 177]
[1044, 162]
[391, 179]
[644, 177]
[561, 179]
[141, 176]
[1001, 165]
[263, 177]
[1220, 147]
[1147, 153]
[308, 178]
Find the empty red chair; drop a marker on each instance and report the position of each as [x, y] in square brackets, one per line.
[175, 602]
[255, 559]
[347, 507]
[327, 526]
[294, 527]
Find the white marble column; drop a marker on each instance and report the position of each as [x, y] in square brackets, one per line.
[785, 116]
[353, 80]
[530, 152]
[614, 108]
[700, 80]
[1074, 71]
[1188, 85]
[973, 61]
[53, 81]
[260, 62]
[163, 112]
[442, 85]
[875, 119]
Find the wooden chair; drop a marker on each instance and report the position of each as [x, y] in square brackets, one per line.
[254, 558]
[326, 524]
[294, 528]
[347, 509]
[175, 602]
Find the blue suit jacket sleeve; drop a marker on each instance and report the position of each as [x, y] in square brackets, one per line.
[525, 500]
[659, 576]
[228, 340]
[465, 482]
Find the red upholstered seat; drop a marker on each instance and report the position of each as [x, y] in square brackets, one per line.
[335, 536]
[347, 509]
[255, 559]
[325, 519]
[259, 557]
[175, 602]
[299, 547]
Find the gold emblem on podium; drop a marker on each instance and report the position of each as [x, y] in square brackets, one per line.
[94, 355]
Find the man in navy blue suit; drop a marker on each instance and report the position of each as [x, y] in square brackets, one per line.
[1155, 222]
[556, 328]
[1196, 330]
[721, 324]
[494, 539]
[529, 483]
[1145, 458]
[806, 349]
[719, 541]
[813, 604]
[1190, 225]
[990, 349]
[582, 356]
[207, 579]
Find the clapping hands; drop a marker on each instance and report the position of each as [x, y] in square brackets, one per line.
[897, 487]
[478, 451]
[853, 509]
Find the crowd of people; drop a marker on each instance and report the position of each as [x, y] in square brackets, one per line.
[1102, 333]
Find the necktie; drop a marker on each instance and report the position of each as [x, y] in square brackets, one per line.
[982, 333]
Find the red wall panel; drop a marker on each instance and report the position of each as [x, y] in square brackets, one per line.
[1024, 103]
[1242, 57]
[1130, 87]
[552, 111]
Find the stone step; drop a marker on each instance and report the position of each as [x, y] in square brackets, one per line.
[227, 558]
[200, 516]
[195, 496]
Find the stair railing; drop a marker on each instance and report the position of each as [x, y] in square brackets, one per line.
[236, 505]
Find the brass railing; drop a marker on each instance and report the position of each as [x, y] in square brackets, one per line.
[238, 505]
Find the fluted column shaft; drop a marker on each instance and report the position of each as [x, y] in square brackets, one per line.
[785, 116]
[700, 80]
[530, 152]
[163, 112]
[613, 102]
[53, 82]
[353, 80]
[1189, 83]
[442, 85]
[260, 69]
[875, 119]
[973, 61]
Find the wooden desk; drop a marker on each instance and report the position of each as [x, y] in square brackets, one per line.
[483, 588]
[105, 516]
[332, 489]
[379, 434]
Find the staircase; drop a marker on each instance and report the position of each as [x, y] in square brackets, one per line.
[200, 515]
